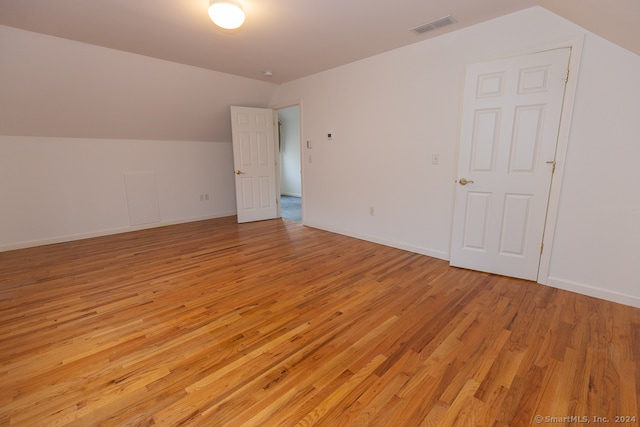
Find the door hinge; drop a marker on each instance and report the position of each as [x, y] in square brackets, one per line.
[541, 248]
[553, 165]
[566, 75]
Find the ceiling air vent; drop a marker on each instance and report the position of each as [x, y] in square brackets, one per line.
[421, 29]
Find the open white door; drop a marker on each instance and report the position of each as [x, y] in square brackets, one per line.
[511, 116]
[254, 163]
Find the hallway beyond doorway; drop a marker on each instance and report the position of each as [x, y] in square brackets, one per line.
[291, 208]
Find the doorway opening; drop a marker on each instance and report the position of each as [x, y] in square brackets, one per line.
[290, 164]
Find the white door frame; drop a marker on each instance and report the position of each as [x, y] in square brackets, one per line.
[275, 108]
[575, 44]
[561, 154]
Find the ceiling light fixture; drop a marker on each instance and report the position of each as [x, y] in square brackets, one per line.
[226, 14]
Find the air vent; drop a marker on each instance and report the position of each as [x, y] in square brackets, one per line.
[421, 29]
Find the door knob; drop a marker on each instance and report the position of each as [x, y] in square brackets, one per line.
[464, 181]
[238, 172]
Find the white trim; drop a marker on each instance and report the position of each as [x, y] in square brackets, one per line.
[393, 244]
[120, 230]
[286, 193]
[561, 154]
[594, 292]
[286, 105]
[297, 103]
[276, 156]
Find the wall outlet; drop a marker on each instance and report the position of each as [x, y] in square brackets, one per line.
[204, 197]
[435, 159]
[372, 211]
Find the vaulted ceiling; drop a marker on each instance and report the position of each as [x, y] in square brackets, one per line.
[290, 38]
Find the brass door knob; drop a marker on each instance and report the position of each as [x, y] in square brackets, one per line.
[238, 172]
[464, 181]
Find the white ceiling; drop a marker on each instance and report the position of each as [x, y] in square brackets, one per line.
[291, 38]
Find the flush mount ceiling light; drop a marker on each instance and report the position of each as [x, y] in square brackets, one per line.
[226, 14]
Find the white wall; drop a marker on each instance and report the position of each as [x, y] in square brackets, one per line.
[75, 117]
[390, 113]
[290, 179]
[56, 87]
[57, 189]
[597, 240]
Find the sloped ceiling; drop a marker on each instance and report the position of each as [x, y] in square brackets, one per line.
[290, 38]
[616, 21]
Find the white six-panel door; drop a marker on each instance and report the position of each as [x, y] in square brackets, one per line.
[511, 116]
[254, 163]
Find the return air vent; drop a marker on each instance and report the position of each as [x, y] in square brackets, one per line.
[421, 29]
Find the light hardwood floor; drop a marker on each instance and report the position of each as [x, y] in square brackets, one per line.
[271, 323]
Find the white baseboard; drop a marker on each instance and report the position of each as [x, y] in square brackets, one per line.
[99, 233]
[374, 239]
[593, 291]
[566, 285]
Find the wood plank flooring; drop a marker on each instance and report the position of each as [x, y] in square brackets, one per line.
[214, 323]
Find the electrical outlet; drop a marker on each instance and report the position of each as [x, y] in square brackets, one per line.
[435, 159]
[372, 211]
[204, 197]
